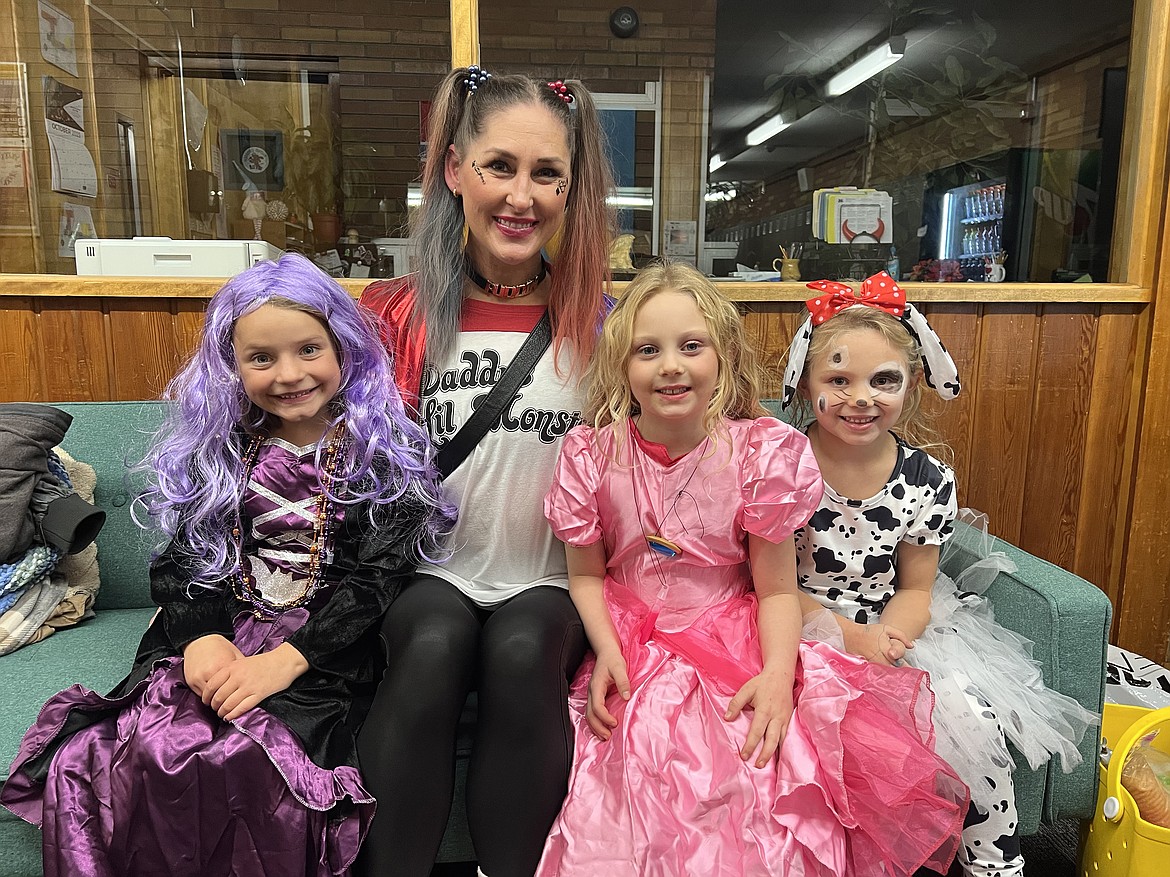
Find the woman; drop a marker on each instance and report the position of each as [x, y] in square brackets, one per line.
[517, 167]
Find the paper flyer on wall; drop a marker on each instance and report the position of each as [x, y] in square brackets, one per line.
[58, 46]
[13, 103]
[72, 167]
[76, 223]
[14, 186]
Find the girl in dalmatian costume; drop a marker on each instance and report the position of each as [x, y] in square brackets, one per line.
[870, 553]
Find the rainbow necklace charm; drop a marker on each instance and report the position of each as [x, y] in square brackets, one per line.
[657, 543]
[663, 546]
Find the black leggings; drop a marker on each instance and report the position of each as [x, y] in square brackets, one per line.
[520, 657]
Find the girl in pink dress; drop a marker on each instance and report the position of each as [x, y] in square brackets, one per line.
[710, 740]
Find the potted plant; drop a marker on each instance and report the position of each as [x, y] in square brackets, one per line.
[312, 178]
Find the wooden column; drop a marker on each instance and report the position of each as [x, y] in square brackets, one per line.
[464, 32]
[683, 121]
[1143, 601]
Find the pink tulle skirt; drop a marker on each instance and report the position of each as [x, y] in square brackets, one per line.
[856, 788]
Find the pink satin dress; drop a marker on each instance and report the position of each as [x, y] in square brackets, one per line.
[855, 789]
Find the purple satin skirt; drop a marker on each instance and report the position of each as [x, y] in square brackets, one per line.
[167, 787]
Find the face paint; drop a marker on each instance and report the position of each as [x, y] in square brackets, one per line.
[478, 172]
[562, 184]
[822, 405]
[839, 357]
[888, 382]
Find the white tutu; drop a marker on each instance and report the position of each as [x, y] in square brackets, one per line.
[967, 653]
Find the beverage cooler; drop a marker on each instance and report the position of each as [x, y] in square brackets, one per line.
[972, 226]
[1037, 211]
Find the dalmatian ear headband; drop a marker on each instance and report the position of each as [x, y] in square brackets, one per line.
[879, 291]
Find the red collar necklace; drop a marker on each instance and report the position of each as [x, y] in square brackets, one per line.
[502, 290]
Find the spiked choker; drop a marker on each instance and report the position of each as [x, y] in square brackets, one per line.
[501, 290]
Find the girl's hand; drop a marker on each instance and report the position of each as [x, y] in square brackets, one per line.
[241, 685]
[879, 643]
[769, 695]
[205, 657]
[610, 671]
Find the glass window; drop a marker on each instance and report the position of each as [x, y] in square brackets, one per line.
[213, 120]
[992, 140]
[649, 65]
[973, 141]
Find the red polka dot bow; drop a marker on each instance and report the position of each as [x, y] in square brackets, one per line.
[879, 291]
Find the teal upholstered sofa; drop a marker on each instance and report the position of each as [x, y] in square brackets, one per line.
[1065, 616]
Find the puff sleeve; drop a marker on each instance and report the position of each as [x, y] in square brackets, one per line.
[932, 523]
[571, 502]
[782, 484]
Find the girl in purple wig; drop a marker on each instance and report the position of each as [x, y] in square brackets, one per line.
[297, 497]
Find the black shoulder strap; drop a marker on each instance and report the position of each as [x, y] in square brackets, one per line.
[454, 452]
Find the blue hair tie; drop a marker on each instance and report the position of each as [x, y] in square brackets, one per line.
[475, 77]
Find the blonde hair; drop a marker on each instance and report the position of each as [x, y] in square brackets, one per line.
[916, 423]
[608, 397]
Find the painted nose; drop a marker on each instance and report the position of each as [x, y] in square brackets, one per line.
[861, 402]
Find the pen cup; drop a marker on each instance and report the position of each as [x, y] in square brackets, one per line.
[789, 269]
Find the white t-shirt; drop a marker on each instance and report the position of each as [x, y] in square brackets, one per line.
[501, 544]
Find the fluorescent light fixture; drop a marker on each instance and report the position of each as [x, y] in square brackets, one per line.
[720, 195]
[717, 161]
[766, 130]
[867, 66]
[944, 232]
[631, 196]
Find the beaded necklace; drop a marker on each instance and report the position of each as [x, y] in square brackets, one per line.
[320, 549]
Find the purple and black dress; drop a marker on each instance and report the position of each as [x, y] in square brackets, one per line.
[148, 780]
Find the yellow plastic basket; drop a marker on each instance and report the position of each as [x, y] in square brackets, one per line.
[1119, 843]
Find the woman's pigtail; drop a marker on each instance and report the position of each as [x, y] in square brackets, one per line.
[582, 268]
[438, 225]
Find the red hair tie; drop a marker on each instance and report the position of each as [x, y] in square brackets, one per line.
[880, 291]
[561, 90]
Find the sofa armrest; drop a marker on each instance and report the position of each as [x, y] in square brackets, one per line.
[1068, 619]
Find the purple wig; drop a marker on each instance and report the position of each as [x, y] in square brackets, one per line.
[196, 460]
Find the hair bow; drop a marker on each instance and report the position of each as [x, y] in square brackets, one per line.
[879, 291]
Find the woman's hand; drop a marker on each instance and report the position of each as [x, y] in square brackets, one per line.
[609, 672]
[241, 685]
[769, 696]
[879, 643]
[206, 656]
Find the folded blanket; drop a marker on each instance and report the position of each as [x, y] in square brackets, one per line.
[23, 621]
